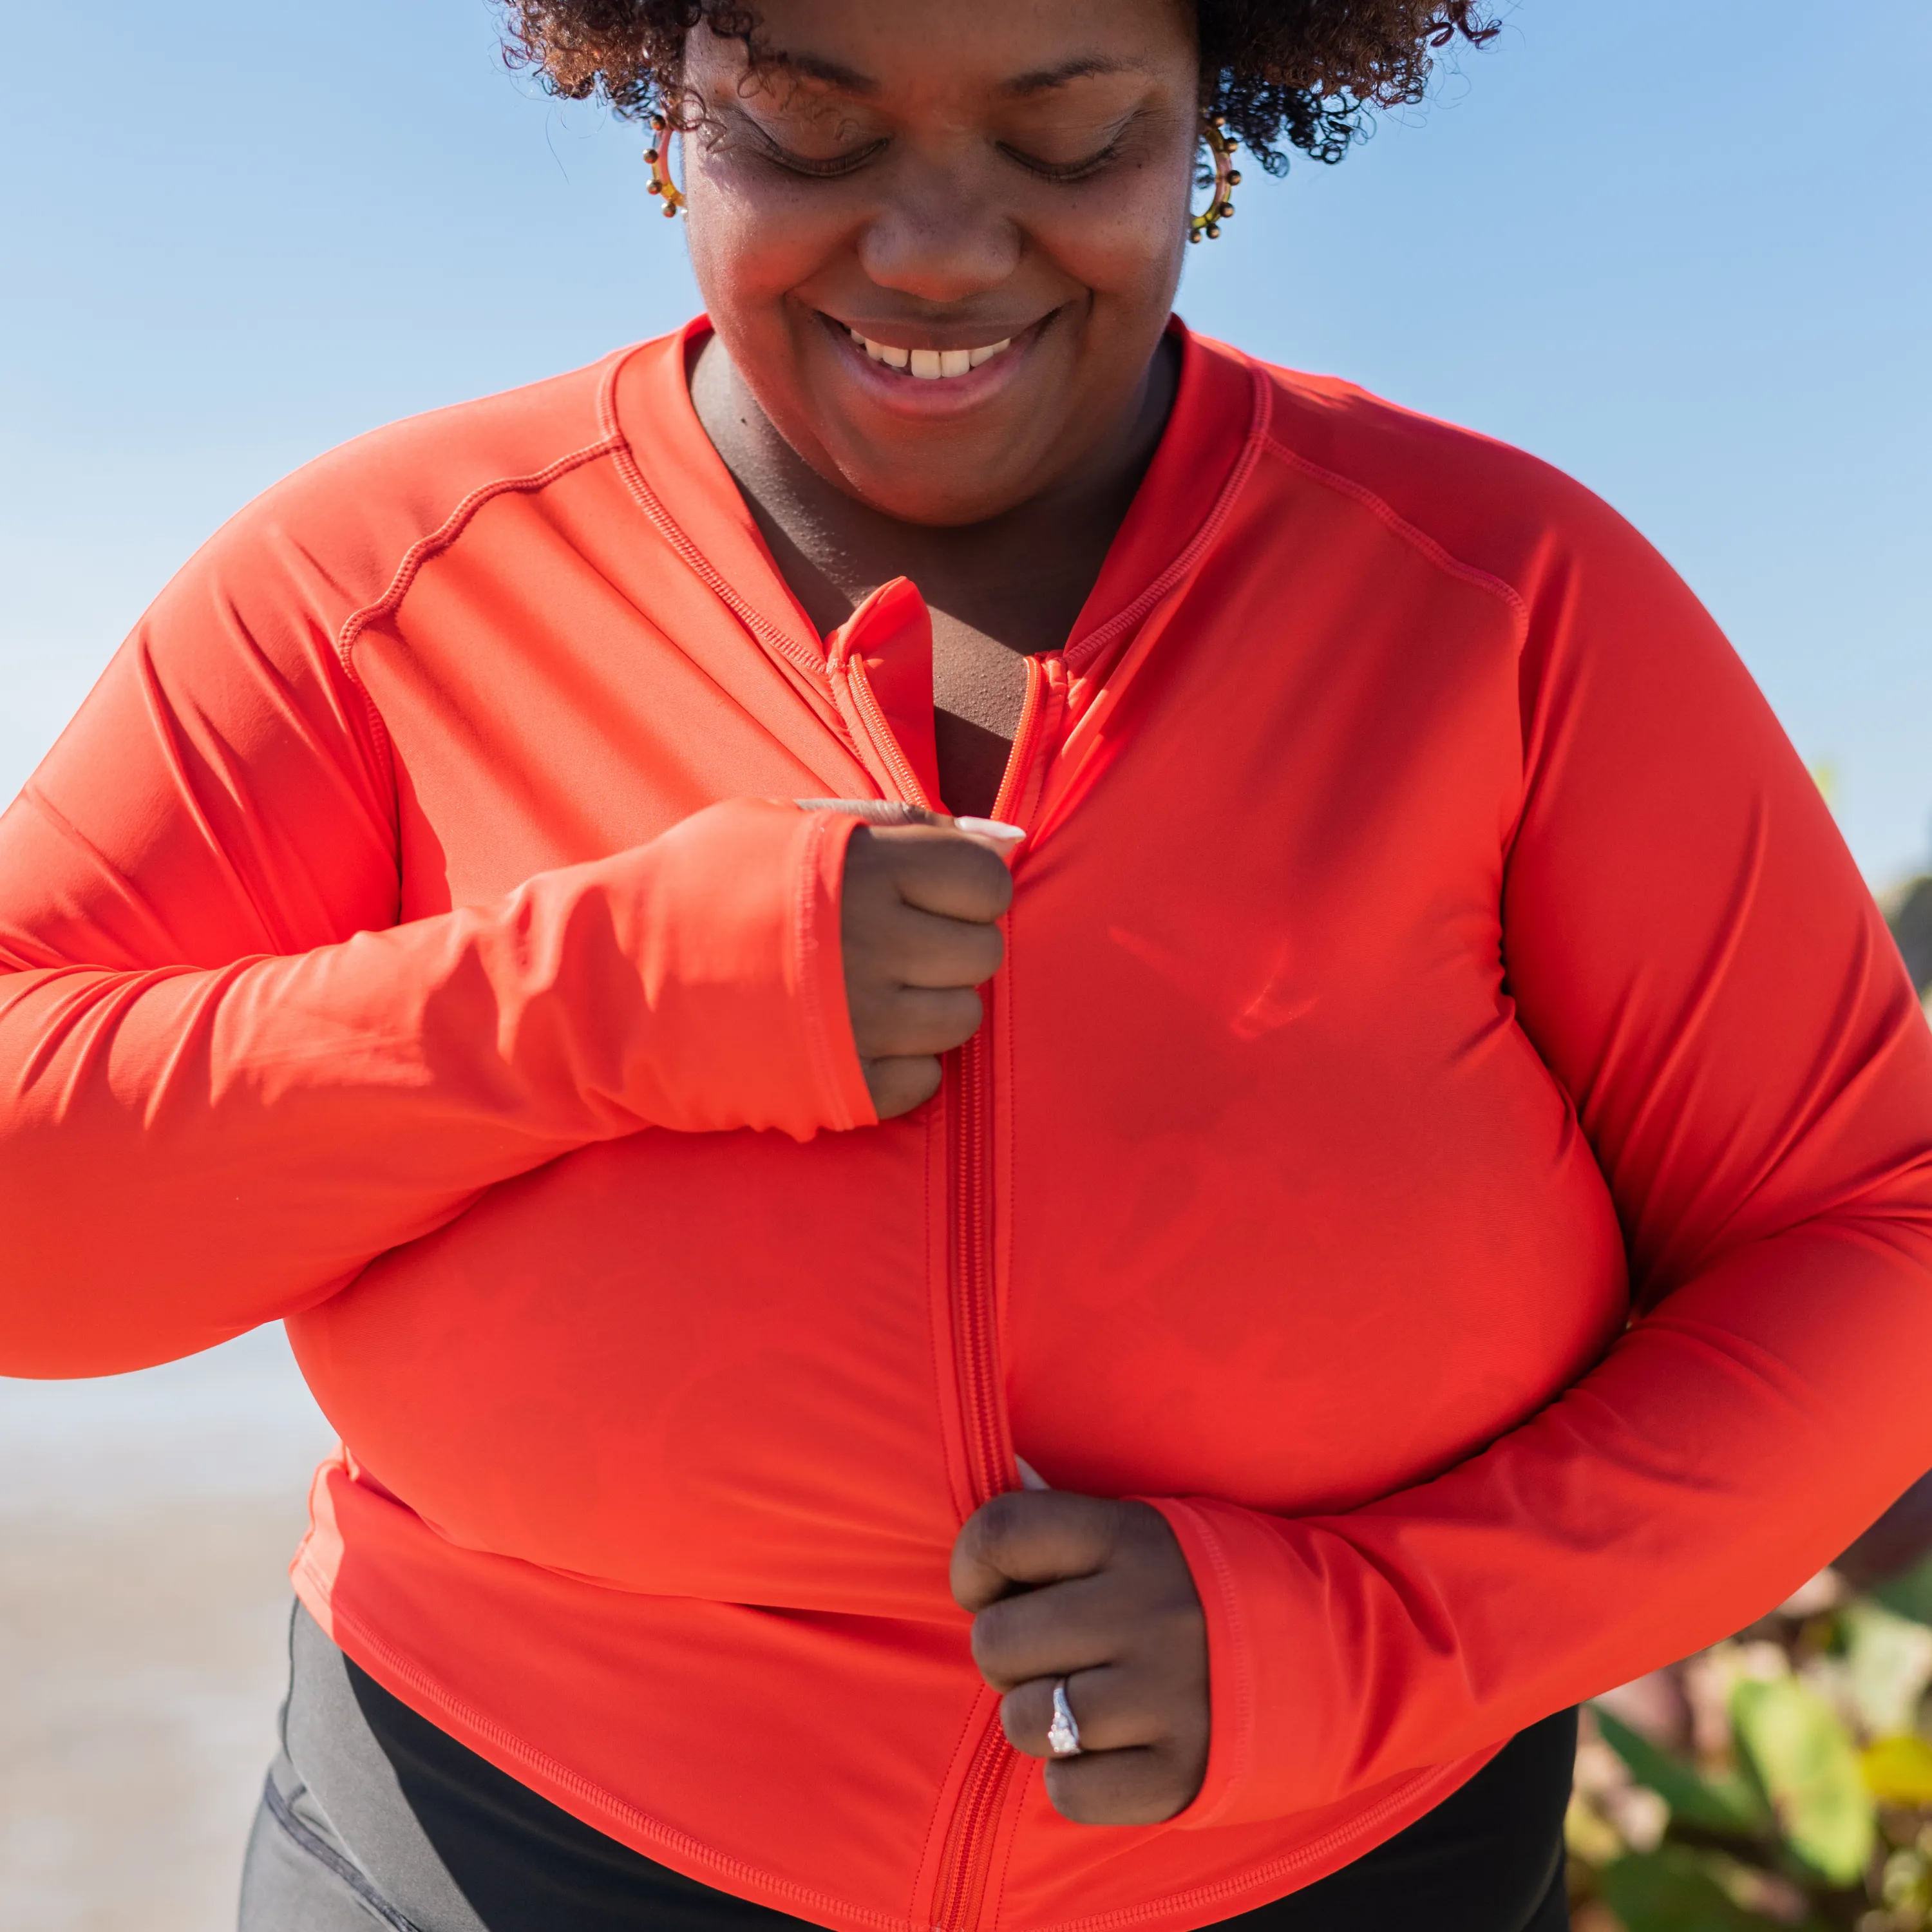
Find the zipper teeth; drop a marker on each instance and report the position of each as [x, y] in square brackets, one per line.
[977, 1341]
[979, 1365]
[992, 1767]
[1019, 760]
[903, 775]
[707, 573]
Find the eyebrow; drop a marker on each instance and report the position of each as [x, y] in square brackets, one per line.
[812, 67]
[1043, 80]
[1085, 68]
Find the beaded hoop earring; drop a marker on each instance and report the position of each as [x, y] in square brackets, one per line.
[1227, 176]
[659, 154]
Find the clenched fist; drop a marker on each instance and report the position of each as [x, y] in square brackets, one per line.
[921, 896]
[1097, 1594]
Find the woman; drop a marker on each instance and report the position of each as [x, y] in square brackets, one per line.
[1436, 1174]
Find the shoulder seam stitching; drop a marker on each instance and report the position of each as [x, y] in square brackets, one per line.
[693, 560]
[1416, 538]
[1082, 652]
[431, 545]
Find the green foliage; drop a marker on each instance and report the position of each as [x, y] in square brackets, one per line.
[1783, 1779]
[1726, 1803]
[1807, 1762]
[1910, 1595]
[1781, 1782]
[1672, 1891]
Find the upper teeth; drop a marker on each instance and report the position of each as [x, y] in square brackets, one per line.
[930, 364]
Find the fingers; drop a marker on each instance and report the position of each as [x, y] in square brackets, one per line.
[918, 931]
[919, 1020]
[1147, 1785]
[1098, 1594]
[897, 1086]
[1001, 837]
[874, 811]
[958, 871]
[1032, 1536]
[928, 950]
[1136, 1766]
[1048, 1632]
[913, 991]
[941, 869]
[921, 897]
[1109, 1715]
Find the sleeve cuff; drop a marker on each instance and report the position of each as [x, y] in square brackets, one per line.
[820, 973]
[1275, 1703]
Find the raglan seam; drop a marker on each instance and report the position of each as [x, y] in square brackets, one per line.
[427, 547]
[1084, 651]
[1430, 548]
[1433, 551]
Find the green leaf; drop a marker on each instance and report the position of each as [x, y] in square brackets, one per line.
[1730, 1805]
[1910, 1595]
[1805, 1759]
[1671, 1890]
[1888, 1662]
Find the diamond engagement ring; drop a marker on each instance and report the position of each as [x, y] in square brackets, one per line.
[1063, 1735]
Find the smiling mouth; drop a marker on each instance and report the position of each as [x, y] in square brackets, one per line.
[931, 365]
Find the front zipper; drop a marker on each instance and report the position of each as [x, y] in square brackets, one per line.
[897, 764]
[976, 1341]
[975, 1351]
[963, 1884]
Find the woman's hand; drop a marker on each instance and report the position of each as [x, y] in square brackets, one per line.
[920, 903]
[1097, 1593]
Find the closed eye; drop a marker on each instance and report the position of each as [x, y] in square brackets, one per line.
[819, 170]
[769, 148]
[1065, 171]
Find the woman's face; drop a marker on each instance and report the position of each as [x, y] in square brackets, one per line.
[997, 191]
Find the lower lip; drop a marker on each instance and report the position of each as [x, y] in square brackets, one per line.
[924, 397]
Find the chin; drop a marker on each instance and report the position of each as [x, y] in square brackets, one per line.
[939, 502]
[938, 480]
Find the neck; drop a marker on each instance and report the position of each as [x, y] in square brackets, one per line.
[1020, 577]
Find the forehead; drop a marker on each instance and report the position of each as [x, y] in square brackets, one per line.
[896, 51]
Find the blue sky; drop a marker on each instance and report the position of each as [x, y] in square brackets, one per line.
[1681, 250]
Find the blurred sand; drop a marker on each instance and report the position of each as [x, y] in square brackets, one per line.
[145, 1527]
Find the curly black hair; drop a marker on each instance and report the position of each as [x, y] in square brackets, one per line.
[1307, 73]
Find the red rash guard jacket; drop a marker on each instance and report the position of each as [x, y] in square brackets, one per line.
[1451, 1131]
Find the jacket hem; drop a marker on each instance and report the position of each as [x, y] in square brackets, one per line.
[581, 1796]
[1184, 1911]
[1207, 1905]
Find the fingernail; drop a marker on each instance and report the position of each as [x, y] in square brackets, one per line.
[991, 828]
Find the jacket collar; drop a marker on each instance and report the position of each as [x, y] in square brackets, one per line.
[1219, 409]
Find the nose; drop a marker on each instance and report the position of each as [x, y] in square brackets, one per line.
[941, 235]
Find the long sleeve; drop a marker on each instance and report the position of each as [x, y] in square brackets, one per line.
[1692, 953]
[229, 1079]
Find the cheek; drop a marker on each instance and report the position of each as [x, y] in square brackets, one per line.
[748, 249]
[1130, 257]
[1128, 239]
[1137, 266]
